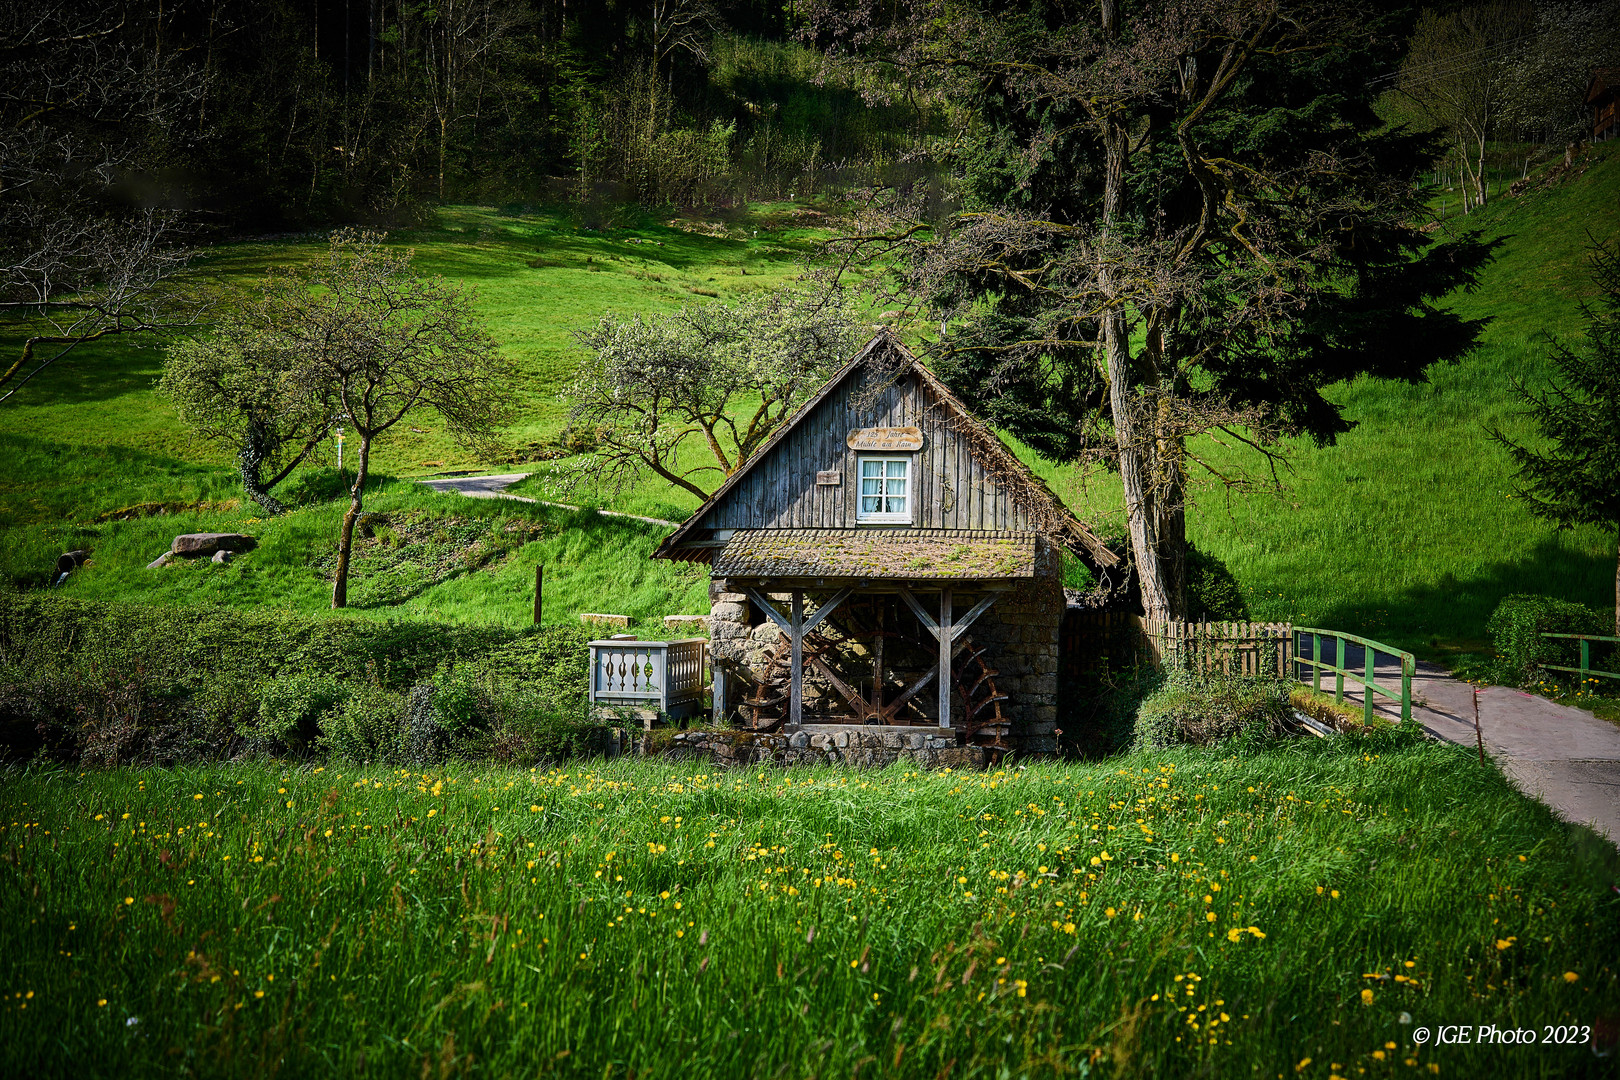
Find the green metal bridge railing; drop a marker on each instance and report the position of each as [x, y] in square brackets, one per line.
[1341, 671]
[1586, 669]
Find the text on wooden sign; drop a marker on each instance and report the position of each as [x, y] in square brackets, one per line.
[886, 438]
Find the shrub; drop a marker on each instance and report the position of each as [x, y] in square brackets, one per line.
[291, 706]
[529, 727]
[425, 742]
[367, 726]
[205, 682]
[1516, 627]
[1204, 708]
[462, 703]
[1212, 591]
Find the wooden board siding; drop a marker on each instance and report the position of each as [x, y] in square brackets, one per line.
[951, 488]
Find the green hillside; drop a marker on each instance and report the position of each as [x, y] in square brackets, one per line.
[1406, 530]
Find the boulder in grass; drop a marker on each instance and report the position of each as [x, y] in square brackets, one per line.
[161, 561]
[223, 555]
[196, 545]
[595, 618]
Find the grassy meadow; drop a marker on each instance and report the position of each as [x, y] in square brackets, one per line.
[1407, 530]
[1298, 911]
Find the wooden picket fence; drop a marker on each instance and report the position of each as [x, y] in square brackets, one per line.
[1113, 640]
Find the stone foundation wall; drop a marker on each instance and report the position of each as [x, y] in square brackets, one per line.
[1020, 633]
[873, 747]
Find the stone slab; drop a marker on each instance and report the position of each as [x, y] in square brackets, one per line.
[194, 545]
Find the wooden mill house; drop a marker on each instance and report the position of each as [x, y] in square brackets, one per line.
[886, 559]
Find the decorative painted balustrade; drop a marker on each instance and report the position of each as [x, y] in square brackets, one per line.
[667, 677]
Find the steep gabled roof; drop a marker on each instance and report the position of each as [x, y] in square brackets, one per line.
[1028, 490]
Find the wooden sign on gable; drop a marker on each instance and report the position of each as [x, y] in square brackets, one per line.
[885, 438]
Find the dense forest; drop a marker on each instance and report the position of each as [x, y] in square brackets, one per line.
[269, 114]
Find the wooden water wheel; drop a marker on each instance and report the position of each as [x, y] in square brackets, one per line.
[867, 627]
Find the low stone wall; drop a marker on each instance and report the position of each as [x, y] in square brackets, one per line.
[828, 745]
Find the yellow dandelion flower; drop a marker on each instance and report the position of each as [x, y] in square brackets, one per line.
[1366, 997]
[1570, 976]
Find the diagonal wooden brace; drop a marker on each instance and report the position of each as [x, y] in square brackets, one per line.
[958, 626]
[764, 604]
[783, 622]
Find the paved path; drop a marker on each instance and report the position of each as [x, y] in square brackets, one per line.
[1566, 757]
[494, 487]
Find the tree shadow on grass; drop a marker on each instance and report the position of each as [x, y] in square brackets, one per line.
[1440, 620]
[42, 480]
[95, 371]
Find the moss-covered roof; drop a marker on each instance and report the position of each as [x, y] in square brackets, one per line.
[909, 554]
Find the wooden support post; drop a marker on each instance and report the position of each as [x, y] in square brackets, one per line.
[539, 580]
[796, 687]
[718, 675]
[877, 664]
[946, 640]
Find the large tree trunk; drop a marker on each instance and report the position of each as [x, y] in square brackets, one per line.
[1153, 513]
[1617, 584]
[340, 582]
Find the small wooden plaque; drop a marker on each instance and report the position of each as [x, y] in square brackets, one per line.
[886, 438]
[831, 478]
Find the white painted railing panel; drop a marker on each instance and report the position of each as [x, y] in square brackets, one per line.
[660, 674]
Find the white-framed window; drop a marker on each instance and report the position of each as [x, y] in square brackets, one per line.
[885, 495]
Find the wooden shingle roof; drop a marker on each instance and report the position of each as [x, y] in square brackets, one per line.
[877, 554]
[886, 354]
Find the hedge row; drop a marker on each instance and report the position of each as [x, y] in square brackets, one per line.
[187, 644]
[1522, 654]
[109, 683]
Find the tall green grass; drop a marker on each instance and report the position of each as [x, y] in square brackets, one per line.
[1300, 911]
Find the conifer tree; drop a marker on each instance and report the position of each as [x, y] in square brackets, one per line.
[1576, 479]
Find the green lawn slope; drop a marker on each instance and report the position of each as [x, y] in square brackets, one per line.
[1407, 530]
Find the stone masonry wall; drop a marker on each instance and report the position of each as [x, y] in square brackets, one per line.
[872, 747]
[1021, 632]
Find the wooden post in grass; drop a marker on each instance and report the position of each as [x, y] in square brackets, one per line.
[539, 580]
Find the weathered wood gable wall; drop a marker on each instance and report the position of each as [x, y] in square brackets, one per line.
[953, 489]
